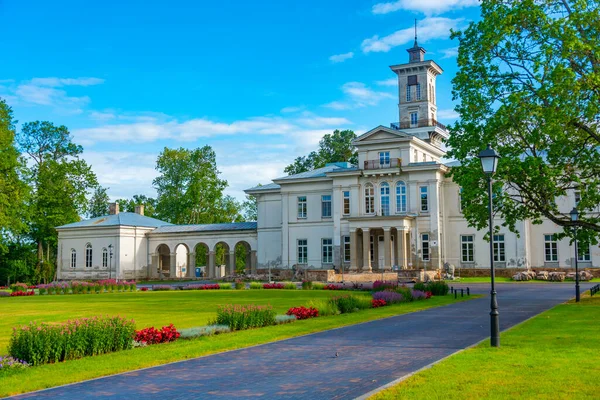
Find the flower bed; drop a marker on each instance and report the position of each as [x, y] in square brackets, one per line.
[45, 343]
[209, 286]
[158, 288]
[389, 296]
[240, 317]
[437, 288]
[20, 294]
[303, 312]
[273, 286]
[83, 287]
[376, 303]
[332, 286]
[8, 364]
[152, 335]
[384, 285]
[19, 287]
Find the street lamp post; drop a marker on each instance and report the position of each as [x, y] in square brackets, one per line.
[489, 163]
[110, 253]
[574, 218]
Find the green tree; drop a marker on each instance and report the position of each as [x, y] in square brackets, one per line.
[128, 205]
[190, 190]
[529, 84]
[250, 208]
[60, 182]
[99, 203]
[334, 147]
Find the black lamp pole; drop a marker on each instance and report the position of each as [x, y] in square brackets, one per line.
[110, 249]
[574, 218]
[489, 163]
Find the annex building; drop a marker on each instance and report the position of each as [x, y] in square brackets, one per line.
[396, 209]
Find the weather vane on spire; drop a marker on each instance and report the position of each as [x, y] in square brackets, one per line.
[415, 32]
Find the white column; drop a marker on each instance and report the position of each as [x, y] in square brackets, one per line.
[387, 244]
[353, 250]
[366, 250]
[285, 232]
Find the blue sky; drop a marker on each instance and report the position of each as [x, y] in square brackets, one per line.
[259, 81]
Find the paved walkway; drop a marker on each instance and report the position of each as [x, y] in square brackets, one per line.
[369, 355]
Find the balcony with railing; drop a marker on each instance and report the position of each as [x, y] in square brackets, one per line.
[377, 164]
[421, 123]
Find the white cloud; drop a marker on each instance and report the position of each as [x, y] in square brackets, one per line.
[102, 116]
[427, 7]
[429, 29]
[447, 114]
[287, 110]
[449, 52]
[337, 58]
[388, 82]
[57, 82]
[358, 95]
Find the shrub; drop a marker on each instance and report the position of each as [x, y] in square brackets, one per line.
[289, 285]
[405, 292]
[152, 335]
[158, 288]
[389, 296]
[21, 294]
[225, 285]
[44, 343]
[239, 317]
[19, 287]
[239, 285]
[4, 294]
[419, 295]
[307, 285]
[144, 289]
[256, 285]
[376, 303]
[324, 307]
[284, 319]
[420, 286]
[318, 286]
[350, 303]
[208, 330]
[303, 312]
[273, 286]
[208, 286]
[9, 364]
[332, 286]
[437, 288]
[384, 285]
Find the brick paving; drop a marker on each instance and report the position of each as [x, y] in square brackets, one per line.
[369, 355]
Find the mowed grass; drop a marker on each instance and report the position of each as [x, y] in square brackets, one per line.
[555, 355]
[184, 309]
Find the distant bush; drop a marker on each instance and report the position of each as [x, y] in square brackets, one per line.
[273, 286]
[332, 286]
[406, 293]
[289, 285]
[44, 343]
[239, 317]
[159, 288]
[256, 285]
[350, 303]
[318, 286]
[239, 285]
[225, 285]
[420, 295]
[19, 287]
[152, 335]
[208, 330]
[389, 296]
[325, 307]
[437, 288]
[384, 285]
[303, 312]
[284, 319]
[420, 286]
[307, 285]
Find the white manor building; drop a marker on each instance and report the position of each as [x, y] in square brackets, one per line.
[397, 209]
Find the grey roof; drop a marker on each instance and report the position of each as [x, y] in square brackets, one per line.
[416, 164]
[270, 186]
[319, 172]
[124, 218]
[452, 164]
[236, 226]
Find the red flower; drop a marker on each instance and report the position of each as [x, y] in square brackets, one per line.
[273, 286]
[152, 335]
[428, 295]
[303, 312]
[331, 286]
[375, 303]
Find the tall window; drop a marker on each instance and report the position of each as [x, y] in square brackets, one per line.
[372, 247]
[385, 198]
[346, 248]
[583, 253]
[301, 206]
[467, 248]
[577, 197]
[424, 192]
[425, 246]
[104, 258]
[369, 199]
[550, 248]
[418, 91]
[407, 92]
[400, 197]
[73, 258]
[88, 255]
[499, 254]
[302, 251]
[326, 206]
[346, 202]
[327, 251]
[384, 158]
[414, 119]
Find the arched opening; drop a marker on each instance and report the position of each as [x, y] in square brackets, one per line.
[223, 264]
[164, 260]
[243, 258]
[88, 255]
[181, 260]
[201, 250]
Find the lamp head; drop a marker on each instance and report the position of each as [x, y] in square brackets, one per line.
[574, 214]
[489, 160]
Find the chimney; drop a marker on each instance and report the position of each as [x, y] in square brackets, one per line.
[113, 208]
[139, 209]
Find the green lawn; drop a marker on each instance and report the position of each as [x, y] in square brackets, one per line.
[499, 279]
[555, 355]
[182, 308]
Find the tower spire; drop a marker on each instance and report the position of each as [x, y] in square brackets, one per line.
[416, 45]
[416, 52]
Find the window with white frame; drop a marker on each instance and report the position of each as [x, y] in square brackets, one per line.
[73, 258]
[414, 119]
[407, 92]
[327, 251]
[346, 248]
[424, 194]
[369, 199]
[302, 251]
[88, 255]
[400, 197]
[425, 247]
[326, 206]
[499, 253]
[346, 202]
[104, 258]
[550, 248]
[583, 253]
[418, 91]
[301, 206]
[577, 197]
[384, 190]
[384, 158]
[467, 248]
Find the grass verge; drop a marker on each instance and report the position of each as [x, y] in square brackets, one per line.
[51, 375]
[555, 355]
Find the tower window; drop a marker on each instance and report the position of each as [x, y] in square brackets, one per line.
[407, 92]
[418, 91]
[414, 118]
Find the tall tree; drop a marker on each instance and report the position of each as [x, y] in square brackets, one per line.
[60, 182]
[99, 203]
[529, 84]
[334, 147]
[250, 208]
[128, 205]
[189, 188]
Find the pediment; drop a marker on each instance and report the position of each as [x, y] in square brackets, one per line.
[380, 133]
